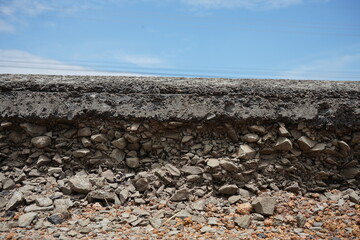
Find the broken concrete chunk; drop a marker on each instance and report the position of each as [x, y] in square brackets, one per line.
[264, 205]
[283, 144]
[41, 141]
[305, 143]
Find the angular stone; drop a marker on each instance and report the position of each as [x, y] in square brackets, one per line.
[283, 144]
[101, 195]
[207, 149]
[283, 131]
[257, 129]
[192, 170]
[53, 170]
[213, 163]
[318, 148]
[84, 132]
[293, 188]
[26, 219]
[35, 208]
[350, 172]
[133, 162]
[42, 161]
[43, 202]
[80, 184]
[344, 146]
[356, 138]
[229, 166]
[183, 214]
[305, 143]
[229, 189]
[33, 130]
[131, 138]
[119, 143]
[108, 175]
[8, 184]
[155, 222]
[246, 152]
[181, 195]
[243, 221]
[174, 171]
[117, 155]
[99, 138]
[199, 205]
[86, 142]
[16, 200]
[244, 208]
[142, 184]
[81, 153]
[147, 146]
[354, 197]
[55, 219]
[41, 141]
[251, 137]
[300, 220]
[264, 205]
[186, 139]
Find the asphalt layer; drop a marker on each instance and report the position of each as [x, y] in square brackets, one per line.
[320, 103]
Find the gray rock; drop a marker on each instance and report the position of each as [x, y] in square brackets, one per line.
[229, 166]
[43, 202]
[243, 221]
[133, 162]
[283, 144]
[258, 129]
[119, 143]
[8, 184]
[155, 222]
[213, 221]
[300, 220]
[183, 214]
[186, 139]
[234, 199]
[245, 193]
[209, 229]
[81, 153]
[131, 138]
[56, 219]
[101, 195]
[181, 195]
[350, 172]
[229, 189]
[84, 132]
[246, 152]
[142, 184]
[32, 129]
[354, 197]
[293, 188]
[16, 200]
[174, 171]
[251, 137]
[199, 205]
[192, 170]
[53, 170]
[213, 163]
[80, 184]
[35, 208]
[264, 205]
[99, 138]
[26, 219]
[108, 175]
[42, 161]
[41, 141]
[117, 155]
[305, 143]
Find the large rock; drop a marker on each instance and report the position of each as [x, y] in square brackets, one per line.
[192, 170]
[32, 129]
[243, 221]
[229, 189]
[283, 144]
[305, 143]
[41, 141]
[119, 143]
[16, 200]
[246, 152]
[264, 205]
[26, 219]
[80, 184]
[229, 166]
[181, 195]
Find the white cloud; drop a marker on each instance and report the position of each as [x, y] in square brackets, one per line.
[6, 27]
[20, 62]
[142, 61]
[334, 68]
[248, 4]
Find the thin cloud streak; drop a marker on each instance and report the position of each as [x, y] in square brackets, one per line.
[21, 62]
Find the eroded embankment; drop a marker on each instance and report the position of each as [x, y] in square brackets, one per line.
[140, 140]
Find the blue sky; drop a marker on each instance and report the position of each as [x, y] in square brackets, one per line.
[293, 39]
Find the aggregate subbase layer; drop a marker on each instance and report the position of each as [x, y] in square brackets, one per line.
[139, 140]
